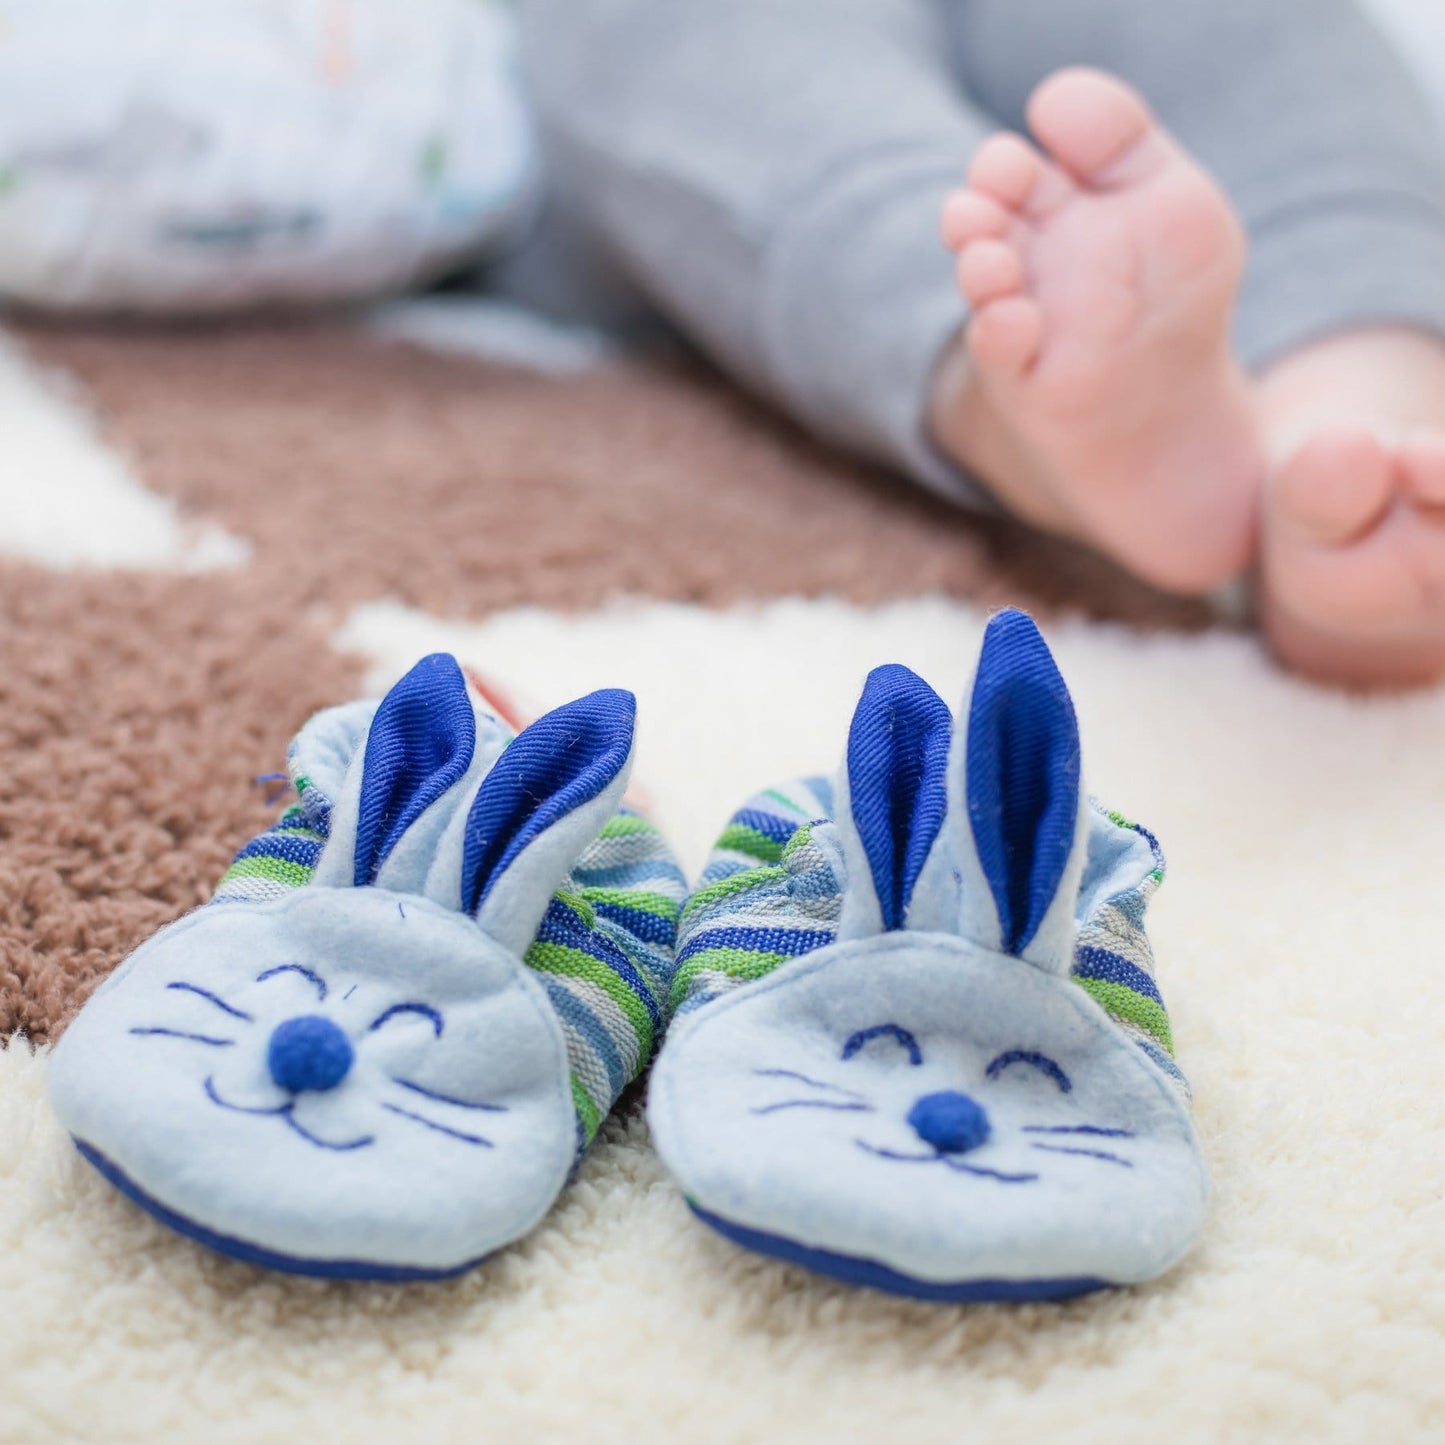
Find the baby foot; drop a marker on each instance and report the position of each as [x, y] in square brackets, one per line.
[1353, 559]
[1095, 392]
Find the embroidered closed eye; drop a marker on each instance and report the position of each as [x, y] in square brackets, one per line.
[902, 1037]
[310, 975]
[401, 1009]
[1041, 1062]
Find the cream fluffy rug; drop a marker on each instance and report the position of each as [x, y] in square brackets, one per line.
[1301, 939]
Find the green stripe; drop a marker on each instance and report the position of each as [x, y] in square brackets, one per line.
[586, 1110]
[574, 963]
[800, 839]
[657, 904]
[786, 801]
[578, 905]
[625, 825]
[741, 839]
[278, 870]
[728, 887]
[1124, 1003]
[735, 962]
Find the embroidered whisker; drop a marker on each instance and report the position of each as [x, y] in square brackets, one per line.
[1087, 1153]
[928, 1158]
[440, 1128]
[210, 997]
[181, 1034]
[804, 1079]
[1097, 1130]
[847, 1106]
[448, 1098]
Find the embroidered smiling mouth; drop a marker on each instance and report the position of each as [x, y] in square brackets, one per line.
[286, 1113]
[937, 1156]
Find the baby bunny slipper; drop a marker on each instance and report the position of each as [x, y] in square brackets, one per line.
[381, 1048]
[919, 1044]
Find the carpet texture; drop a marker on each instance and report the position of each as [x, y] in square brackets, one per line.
[637, 526]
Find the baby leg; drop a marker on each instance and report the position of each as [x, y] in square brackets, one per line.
[1337, 172]
[770, 172]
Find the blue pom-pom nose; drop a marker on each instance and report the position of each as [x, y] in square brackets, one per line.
[309, 1053]
[951, 1122]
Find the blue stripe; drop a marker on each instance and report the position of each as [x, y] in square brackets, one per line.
[822, 790]
[562, 926]
[571, 1010]
[1100, 963]
[654, 964]
[757, 940]
[292, 847]
[647, 926]
[720, 868]
[625, 875]
[1158, 1056]
[770, 825]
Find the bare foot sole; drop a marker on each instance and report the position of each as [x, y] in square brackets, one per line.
[1352, 565]
[1094, 391]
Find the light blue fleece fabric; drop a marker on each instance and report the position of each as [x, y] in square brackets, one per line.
[941, 1108]
[361, 1081]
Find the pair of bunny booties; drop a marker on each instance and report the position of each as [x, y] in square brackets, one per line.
[914, 1043]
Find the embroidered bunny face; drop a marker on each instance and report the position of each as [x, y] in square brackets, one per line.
[928, 1103]
[362, 1077]
[335, 1047]
[920, 1103]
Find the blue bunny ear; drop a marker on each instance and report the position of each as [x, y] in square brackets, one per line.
[896, 796]
[1023, 783]
[421, 742]
[545, 799]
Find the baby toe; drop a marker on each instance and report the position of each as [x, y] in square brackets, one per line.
[1335, 488]
[972, 216]
[1012, 172]
[1004, 336]
[1091, 123]
[989, 270]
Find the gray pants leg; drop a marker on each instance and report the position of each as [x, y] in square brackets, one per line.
[769, 172]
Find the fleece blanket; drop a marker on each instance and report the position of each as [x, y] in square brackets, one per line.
[207, 536]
